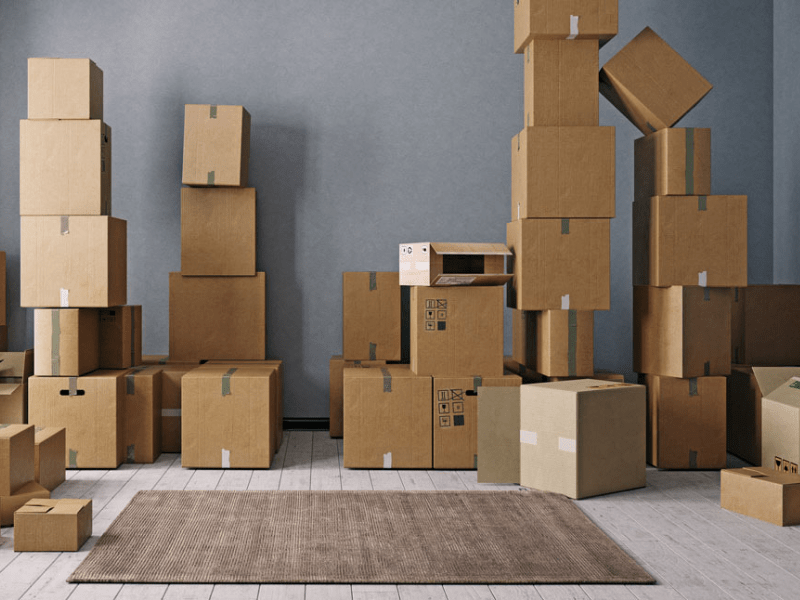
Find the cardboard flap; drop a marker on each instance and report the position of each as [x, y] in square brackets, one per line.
[7, 389]
[767, 475]
[471, 279]
[454, 248]
[787, 393]
[771, 378]
[16, 364]
[32, 508]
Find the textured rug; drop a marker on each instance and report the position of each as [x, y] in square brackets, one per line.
[355, 537]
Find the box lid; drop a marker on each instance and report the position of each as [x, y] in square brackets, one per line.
[16, 364]
[9, 431]
[469, 248]
[787, 393]
[766, 475]
[771, 378]
[63, 506]
[6, 389]
[45, 433]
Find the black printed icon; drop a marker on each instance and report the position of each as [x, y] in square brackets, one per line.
[444, 395]
[444, 408]
[444, 421]
[430, 303]
[441, 314]
[430, 315]
[441, 304]
[441, 325]
[458, 420]
[457, 394]
[458, 407]
[430, 326]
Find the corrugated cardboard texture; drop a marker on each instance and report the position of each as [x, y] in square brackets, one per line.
[457, 331]
[171, 377]
[85, 266]
[142, 404]
[64, 88]
[120, 337]
[3, 304]
[371, 316]
[217, 317]
[563, 172]
[9, 504]
[690, 240]
[681, 331]
[218, 231]
[523, 346]
[685, 422]
[64, 168]
[387, 417]
[582, 438]
[13, 407]
[50, 447]
[551, 19]
[764, 324]
[672, 162]
[52, 525]
[761, 493]
[16, 457]
[66, 341]
[498, 434]
[94, 416]
[651, 84]
[559, 261]
[565, 343]
[216, 145]
[446, 264]
[336, 387]
[780, 424]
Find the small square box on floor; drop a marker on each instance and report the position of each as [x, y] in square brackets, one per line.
[44, 525]
[762, 493]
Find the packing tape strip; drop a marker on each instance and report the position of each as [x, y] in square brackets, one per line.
[162, 361]
[212, 111]
[573, 27]
[567, 445]
[692, 459]
[55, 342]
[73, 459]
[226, 459]
[64, 225]
[210, 178]
[226, 382]
[565, 302]
[736, 294]
[131, 454]
[706, 295]
[373, 281]
[564, 226]
[572, 342]
[73, 386]
[689, 161]
[477, 381]
[170, 412]
[702, 203]
[373, 351]
[387, 379]
[528, 437]
[64, 298]
[387, 460]
[130, 380]
[707, 368]
[693, 386]
[702, 278]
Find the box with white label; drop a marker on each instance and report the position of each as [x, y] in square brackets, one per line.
[440, 264]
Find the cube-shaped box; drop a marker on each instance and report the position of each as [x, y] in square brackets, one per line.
[563, 20]
[370, 316]
[49, 451]
[764, 322]
[44, 525]
[498, 434]
[443, 264]
[16, 457]
[582, 438]
[171, 378]
[120, 337]
[672, 162]
[336, 369]
[142, 403]
[64, 168]
[780, 425]
[10, 504]
[762, 493]
[216, 145]
[523, 345]
[64, 88]
[66, 341]
[565, 343]
[15, 369]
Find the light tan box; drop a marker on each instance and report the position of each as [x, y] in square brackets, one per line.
[336, 369]
[49, 450]
[445, 264]
[10, 504]
[216, 145]
[13, 407]
[565, 343]
[672, 162]
[16, 457]
[764, 322]
[780, 425]
[498, 434]
[563, 19]
[142, 404]
[171, 377]
[61, 525]
[15, 369]
[66, 341]
[120, 337]
[64, 88]
[762, 493]
[370, 316]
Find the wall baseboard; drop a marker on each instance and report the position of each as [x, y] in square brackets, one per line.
[302, 424]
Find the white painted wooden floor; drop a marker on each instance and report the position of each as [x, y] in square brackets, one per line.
[674, 527]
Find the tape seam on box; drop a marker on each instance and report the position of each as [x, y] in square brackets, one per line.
[572, 342]
[689, 161]
[373, 281]
[702, 280]
[387, 380]
[64, 225]
[210, 178]
[702, 203]
[130, 384]
[64, 298]
[736, 294]
[73, 386]
[477, 381]
[133, 336]
[212, 111]
[528, 437]
[564, 226]
[565, 302]
[573, 27]
[693, 386]
[387, 460]
[707, 368]
[226, 459]
[567, 445]
[226, 382]
[170, 412]
[73, 459]
[131, 454]
[692, 459]
[373, 351]
[55, 342]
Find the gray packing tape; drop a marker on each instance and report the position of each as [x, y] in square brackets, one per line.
[130, 384]
[212, 111]
[692, 459]
[131, 453]
[373, 281]
[475, 461]
[693, 386]
[170, 412]
[226, 382]
[373, 351]
[564, 226]
[55, 342]
[162, 361]
[357, 363]
[73, 459]
[572, 343]
[211, 178]
[477, 381]
[64, 225]
[702, 203]
[387, 379]
[689, 161]
[706, 295]
[707, 368]
[73, 386]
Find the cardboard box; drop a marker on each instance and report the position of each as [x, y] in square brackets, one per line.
[16, 457]
[64, 88]
[155, 359]
[216, 145]
[3, 305]
[64, 168]
[50, 446]
[651, 84]
[66, 341]
[73, 261]
[218, 231]
[455, 418]
[371, 316]
[582, 438]
[120, 337]
[672, 162]
[336, 369]
[559, 264]
[15, 368]
[565, 343]
[563, 172]
[764, 319]
[171, 377]
[528, 374]
[690, 240]
[599, 375]
[457, 331]
[142, 405]
[762, 493]
[444, 264]
[563, 19]
[780, 424]
[498, 434]
[61, 525]
[681, 332]
[523, 346]
[91, 409]
[13, 408]
[10, 504]
[685, 422]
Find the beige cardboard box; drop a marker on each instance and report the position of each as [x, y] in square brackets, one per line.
[563, 172]
[681, 332]
[64, 88]
[120, 337]
[762, 493]
[66, 341]
[64, 168]
[780, 425]
[370, 316]
[218, 231]
[9, 504]
[49, 450]
[336, 369]
[444, 264]
[685, 422]
[651, 84]
[216, 145]
[582, 438]
[16, 457]
[565, 343]
[73, 261]
[764, 322]
[457, 331]
[15, 369]
[61, 525]
[387, 417]
[171, 377]
[672, 162]
[690, 240]
[563, 19]
[91, 409]
[498, 434]
[142, 405]
[3, 306]
[523, 346]
[559, 264]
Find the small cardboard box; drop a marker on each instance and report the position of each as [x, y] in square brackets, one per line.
[387, 418]
[672, 162]
[565, 343]
[582, 438]
[651, 84]
[780, 425]
[685, 422]
[560, 83]
[143, 414]
[3, 305]
[498, 434]
[61, 525]
[444, 264]
[10, 504]
[681, 332]
[559, 264]
[120, 337]
[457, 331]
[523, 345]
[64, 88]
[16, 457]
[216, 145]
[66, 341]
[91, 409]
[336, 369]
[64, 168]
[764, 324]
[49, 450]
[217, 317]
[563, 20]
[455, 418]
[218, 231]
[73, 261]
[762, 493]
[15, 369]
[171, 378]
[563, 172]
[371, 316]
[690, 240]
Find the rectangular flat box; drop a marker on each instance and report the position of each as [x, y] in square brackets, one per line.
[565, 343]
[651, 84]
[73, 261]
[66, 341]
[218, 231]
[444, 264]
[780, 424]
[523, 330]
[16, 457]
[120, 337]
[216, 145]
[672, 162]
[336, 369]
[563, 172]
[681, 332]
[762, 493]
[582, 438]
[142, 405]
[3, 302]
[690, 240]
[9, 504]
[171, 377]
[498, 434]
[49, 450]
[563, 19]
[61, 525]
[370, 316]
[64, 168]
[764, 322]
[559, 264]
[217, 317]
[457, 331]
[64, 88]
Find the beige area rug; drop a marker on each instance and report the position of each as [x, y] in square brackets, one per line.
[355, 537]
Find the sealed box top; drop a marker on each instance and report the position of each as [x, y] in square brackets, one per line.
[564, 19]
[579, 386]
[444, 264]
[61, 506]
[16, 364]
[64, 88]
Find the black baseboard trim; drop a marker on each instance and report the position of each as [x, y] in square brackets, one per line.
[306, 424]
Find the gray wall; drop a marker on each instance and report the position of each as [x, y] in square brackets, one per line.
[374, 123]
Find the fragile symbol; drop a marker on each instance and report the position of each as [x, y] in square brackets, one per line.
[429, 315]
[444, 409]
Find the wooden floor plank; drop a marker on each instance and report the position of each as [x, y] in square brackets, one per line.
[204, 479]
[281, 591]
[561, 592]
[96, 591]
[515, 592]
[328, 592]
[468, 592]
[607, 592]
[140, 591]
[387, 479]
[421, 592]
[296, 472]
[375, 592]
[352, 479]
[416, 480]
[446, 480]
[270, 479]
[235, 592]
[235, 479]
[325, 474]
[189, 592]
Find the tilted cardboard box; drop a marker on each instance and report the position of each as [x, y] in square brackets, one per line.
[370, 316]
[61, 525]
[216, 145]
[445, 264]
[16, 457]
[49, 450]
[120, 337]
[142, 404]
[780, 425]
[171, 378]
[523, 330]
[66, 341]
[498, 434]
[336, 369]
[64, 88]
[672, 162]
[565, 343]
[764, 324]
[15, 369]
[762, 493]
[563, 20]
[9, 504]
